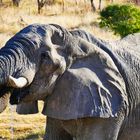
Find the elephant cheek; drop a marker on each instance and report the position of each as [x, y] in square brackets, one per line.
[4, 102]
[33, 97]
[28, 98]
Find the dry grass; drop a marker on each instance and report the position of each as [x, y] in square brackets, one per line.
[12, 19]
[14, 126]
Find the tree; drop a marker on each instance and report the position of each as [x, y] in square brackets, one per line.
[100, 3]
[93, 5]
[16, 2]
[41, 4]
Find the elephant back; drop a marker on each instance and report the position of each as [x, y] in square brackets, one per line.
[128, 53]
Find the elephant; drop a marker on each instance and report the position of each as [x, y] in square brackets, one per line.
[90, 87]
[19, 61]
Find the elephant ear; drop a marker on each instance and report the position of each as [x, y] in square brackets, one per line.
[27, 108]
[91, 87]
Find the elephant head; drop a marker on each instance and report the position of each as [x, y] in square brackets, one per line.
[15, 70]
[76, 79]
[20, 61]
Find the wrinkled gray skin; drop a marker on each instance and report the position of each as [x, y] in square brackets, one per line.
[20, 57]
[90, 91]
[69, 108]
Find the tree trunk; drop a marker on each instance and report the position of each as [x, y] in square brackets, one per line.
[76, 2]
[16, 3]
[92, 5]
[41, 4]
[63, 5]
[99, 4]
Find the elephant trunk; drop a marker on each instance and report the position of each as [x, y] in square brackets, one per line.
[17, 67]
[4, 101]
[16, 71]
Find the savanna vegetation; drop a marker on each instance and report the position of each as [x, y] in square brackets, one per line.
[71, 14]
[20, 127]
[121, 19]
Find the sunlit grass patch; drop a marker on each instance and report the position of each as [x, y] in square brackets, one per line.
[21, 127]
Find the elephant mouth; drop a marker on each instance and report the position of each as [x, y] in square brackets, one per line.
[42, 84]
[39, 89]
[18, 95]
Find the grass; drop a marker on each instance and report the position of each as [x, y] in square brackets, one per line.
[20, 127]
[12, 19]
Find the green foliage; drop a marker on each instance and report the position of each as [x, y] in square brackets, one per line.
[122, 19]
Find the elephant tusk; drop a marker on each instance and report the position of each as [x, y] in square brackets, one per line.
[17, 82]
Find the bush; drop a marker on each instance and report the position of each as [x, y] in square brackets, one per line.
[122, 19]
